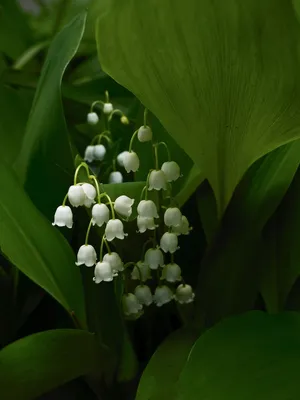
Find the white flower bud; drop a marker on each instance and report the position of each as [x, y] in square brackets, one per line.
[157, 180]
[145, 223]
[124, 120]
[147, 208]
[120, 158]
[171, 170]
[184, 294]
[141, 271]
[183, 228]
[107, 108]
[154, 258]
[92, 118]
[115, 261]
[86, 255]
[90, 194]
[76, 195]
[100, 214]
[115, 177]
[130, 304]
[63, 217]
[89, 154]
[162, 295]
[172, 216]
[143, 294]
[103, 272]
[131, 161]
[123, 205]
[172, 272]
[114, 229]
[169, 242]
[99, 152]
[144, 134]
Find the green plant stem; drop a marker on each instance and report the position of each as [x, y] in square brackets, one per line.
[110, 203]
[85, 166]
[131, 140]
[145, 117]
[88, 232]
[167, 149]
[95, 103]
[156, 156]
[101, 248]
[65, 200]
[94, 179]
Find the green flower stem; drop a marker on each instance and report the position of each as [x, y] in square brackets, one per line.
[65, 199]
[142, 193]
[147, 184]
[150, 240]
[131, 140]
[96, 102]
[101, 248]
[94, 179]
[84, 165]
[110, 203]
[101, 135]
[88, 232]
[156, 156]
[167, 148]
[116, 111]
[145, 117]
[106, 96]
[107, 246]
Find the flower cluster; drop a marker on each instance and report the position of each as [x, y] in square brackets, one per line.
[157, 217]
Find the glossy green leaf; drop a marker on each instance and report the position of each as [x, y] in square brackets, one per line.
[37, 248]
[222, 77]
[251, 356]
[38, 363]
[45, 156]
[191, 183]
[160, 378]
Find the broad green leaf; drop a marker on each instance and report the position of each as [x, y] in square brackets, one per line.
[33, 365]
[222, 77]
[45, 162]
[251, 356]
[15, 34]
[230, 272]
[161, 375]
[192, 182]
[37, 248]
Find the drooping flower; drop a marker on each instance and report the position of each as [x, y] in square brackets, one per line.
[120, 158]
[114, 229]
[86, 255]
[99, 152]
[145, 223]
[184, 294]
[157, 180]
[100, 214]
[89, 154]
[184, 227]
[107, 108]
[115, 177]
[103, 272]
[90, 194]
[162, 295]
[131, 161]
[92, 118]
[76, 195]
[63, 217]
[130, 304]
[144, 134]
[169, 242]
[172, 272]
[154, 258]
[172, 216]
[144, 295]
[147, 209]
[171, 170]
[115, 261]
[123, 205]
[141, 271]
[124, 120]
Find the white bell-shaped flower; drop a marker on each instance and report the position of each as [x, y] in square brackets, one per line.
[130, 304]
[115, 177]
[169, 242]
[63, 217]
[86, 255]
[123, 205]
[99, 152]
[144, 295]
[100, 214]
[92, 118]
[154, 258]
[145, 223]
[103, 272]
[90, 194]
[172, 216]
[184, 294]
[114, 229]
[184, 227]
[115, 261]
[141, 271]
[172, 272]
[144, 134]
[157, 180]
[147, 208]
[120, 158]
[89, 154]
[76, 195]
[107, 108]
[162, 295]
[171, 170]
[131, 161]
